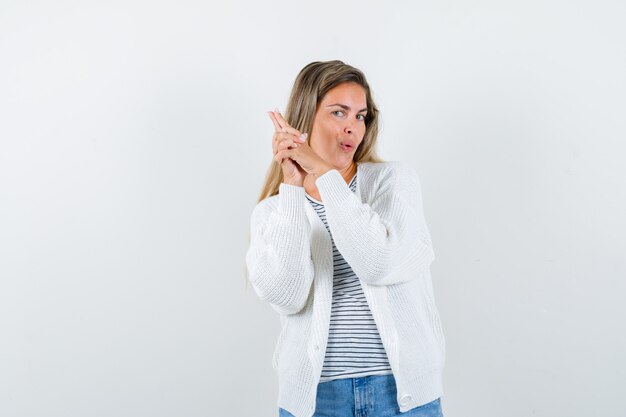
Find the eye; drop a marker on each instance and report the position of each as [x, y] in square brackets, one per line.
[337, 111]
[362, 116]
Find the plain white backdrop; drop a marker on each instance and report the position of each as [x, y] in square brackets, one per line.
[134, 141]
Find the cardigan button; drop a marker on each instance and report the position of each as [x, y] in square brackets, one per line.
[405, 399]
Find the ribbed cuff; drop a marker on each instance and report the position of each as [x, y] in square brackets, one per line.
[332, 187]
[290, 200]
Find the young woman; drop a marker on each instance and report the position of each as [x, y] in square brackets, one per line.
[340, 249]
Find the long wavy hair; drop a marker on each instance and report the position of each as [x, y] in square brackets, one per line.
[309, 88]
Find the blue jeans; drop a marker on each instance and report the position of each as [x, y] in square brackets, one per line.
[370, 396]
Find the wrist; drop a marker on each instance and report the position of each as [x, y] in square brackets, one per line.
[294, 183]
[323, 170]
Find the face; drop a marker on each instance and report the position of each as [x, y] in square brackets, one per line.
[339, 124]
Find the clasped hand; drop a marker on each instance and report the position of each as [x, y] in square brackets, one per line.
[293, 153]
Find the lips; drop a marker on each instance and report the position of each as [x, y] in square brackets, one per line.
[347, 145]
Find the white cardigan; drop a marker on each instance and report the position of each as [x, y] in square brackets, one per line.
[381, 232]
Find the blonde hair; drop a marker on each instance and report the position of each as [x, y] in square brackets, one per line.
[309, 88]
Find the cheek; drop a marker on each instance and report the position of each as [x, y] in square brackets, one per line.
[325, 129]
[332, 128]
[329, 134]
[362, 130]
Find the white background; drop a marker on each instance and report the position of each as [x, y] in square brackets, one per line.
[133, 144]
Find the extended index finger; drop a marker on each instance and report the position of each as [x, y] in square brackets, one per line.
[277, 125]
[280, 118]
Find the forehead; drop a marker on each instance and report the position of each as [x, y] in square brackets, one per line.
[346, 93]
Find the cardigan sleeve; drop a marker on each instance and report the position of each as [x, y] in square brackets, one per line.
[387, 241]
[278, 259]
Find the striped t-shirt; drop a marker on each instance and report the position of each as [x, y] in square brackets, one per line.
[354, 347]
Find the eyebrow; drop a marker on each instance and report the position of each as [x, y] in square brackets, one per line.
[343, 106]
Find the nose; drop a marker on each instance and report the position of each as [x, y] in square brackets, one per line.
[348, 128]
